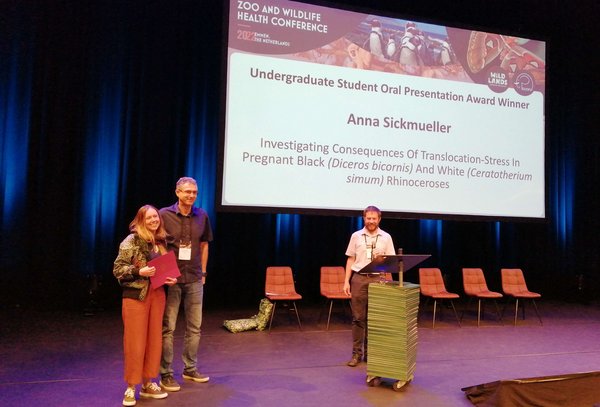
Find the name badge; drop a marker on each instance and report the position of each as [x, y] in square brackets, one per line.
[185, 251]
[369, 252]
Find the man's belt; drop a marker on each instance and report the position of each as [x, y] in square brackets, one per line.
[369, 274]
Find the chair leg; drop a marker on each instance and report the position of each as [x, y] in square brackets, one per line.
[455, 314]
[323, 308]
[426, 302]
[498, 312]
[536, 311]
[297, 316]
[516, 310]
[329, 315]
[465, 308]
[272, 315]
[434, 309]
[478, 311]
[344, 304]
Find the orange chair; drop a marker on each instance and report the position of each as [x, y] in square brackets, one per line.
[513, 285]
[476, 287]
[432, 286]
[279, 286]
[332, 286]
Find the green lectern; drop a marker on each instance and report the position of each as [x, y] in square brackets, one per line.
[392, 322]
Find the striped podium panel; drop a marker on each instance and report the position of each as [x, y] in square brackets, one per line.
[392, 330]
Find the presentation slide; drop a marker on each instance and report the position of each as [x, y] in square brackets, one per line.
[333, 110]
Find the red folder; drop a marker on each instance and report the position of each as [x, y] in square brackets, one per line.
[166, 266]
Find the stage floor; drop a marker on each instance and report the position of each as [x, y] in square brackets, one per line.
[69, 359]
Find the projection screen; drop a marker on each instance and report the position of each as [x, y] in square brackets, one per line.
[329, 110]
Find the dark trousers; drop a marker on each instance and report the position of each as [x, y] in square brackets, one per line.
[359, 288]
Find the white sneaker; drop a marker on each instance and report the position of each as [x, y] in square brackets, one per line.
[129, 397]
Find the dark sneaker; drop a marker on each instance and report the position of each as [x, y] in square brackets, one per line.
[354, 361]
[169, 383]
[153, 391]
[129, 397]
[195, 376]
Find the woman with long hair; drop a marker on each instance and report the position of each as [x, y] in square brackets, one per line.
[143, 305]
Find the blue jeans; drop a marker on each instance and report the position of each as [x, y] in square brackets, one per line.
[192, 294]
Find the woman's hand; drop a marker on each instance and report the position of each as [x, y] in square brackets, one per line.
[147, 271]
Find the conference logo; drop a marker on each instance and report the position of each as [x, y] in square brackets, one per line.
[497, 79]
[523, 83]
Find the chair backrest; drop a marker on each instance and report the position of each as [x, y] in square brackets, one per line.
[513, 281]
[431, 281]
[474, 281]
[279, 280]
[332, 279]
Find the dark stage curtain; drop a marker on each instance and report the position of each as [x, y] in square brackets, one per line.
[105, 104]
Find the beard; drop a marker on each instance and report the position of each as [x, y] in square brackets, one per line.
[372, 227]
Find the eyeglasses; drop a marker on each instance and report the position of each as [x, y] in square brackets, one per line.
[188, 192]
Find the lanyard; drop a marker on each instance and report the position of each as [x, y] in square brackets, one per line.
[373, 244]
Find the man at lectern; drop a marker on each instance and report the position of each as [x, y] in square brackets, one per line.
[365, 244]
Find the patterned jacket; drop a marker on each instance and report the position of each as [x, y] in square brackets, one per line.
[134, 253]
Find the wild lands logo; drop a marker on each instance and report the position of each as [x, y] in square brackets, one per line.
[497, 79]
